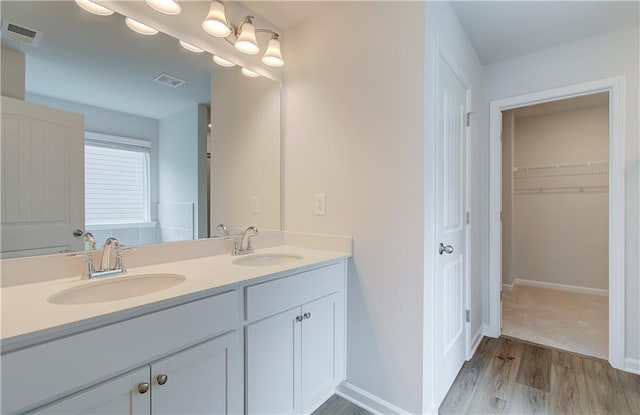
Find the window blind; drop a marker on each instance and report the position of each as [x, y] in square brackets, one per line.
[116, 180]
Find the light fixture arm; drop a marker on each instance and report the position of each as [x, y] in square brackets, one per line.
[235, 30]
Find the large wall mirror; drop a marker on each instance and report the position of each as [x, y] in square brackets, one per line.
[201, 142]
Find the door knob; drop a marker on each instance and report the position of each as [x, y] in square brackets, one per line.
[162, 379]
[143, 388]
[78, 233]
[445, 249]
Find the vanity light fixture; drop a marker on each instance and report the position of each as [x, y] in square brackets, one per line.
[246, 41]
[190, 47]
[249, 73]
[141, 28]
[216, 21]
[242, 37]
[223, 62]
[94, 8]
[171, 7]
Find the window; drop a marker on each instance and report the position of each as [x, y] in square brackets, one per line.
[116, 180]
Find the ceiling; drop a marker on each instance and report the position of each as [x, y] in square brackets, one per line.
[501, 30]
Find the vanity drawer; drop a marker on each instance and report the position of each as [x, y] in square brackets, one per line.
[42, 373]
[281, 294]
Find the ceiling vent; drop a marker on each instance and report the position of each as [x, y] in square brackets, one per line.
[169, 80]
[20, 33]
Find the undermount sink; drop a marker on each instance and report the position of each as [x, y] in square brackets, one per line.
[262, 260]
[116, 288]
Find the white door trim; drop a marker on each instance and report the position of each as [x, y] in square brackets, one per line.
[615, 87]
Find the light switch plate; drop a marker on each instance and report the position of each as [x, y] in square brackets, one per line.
[320, 204]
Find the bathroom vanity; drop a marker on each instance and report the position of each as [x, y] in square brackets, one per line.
[265, 334]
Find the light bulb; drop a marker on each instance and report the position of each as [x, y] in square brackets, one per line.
[94, 8]
[222, 61]
[249, 73]
[171, 7]
[190, 47]
[138, 27]
[216, 21]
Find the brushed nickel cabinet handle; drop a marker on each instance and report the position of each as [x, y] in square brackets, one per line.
[307, 315]
[299, 318]
[143, 388]
[445, 249]
[162, 379]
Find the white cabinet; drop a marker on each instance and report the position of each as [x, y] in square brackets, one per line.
[117, 396]
[295, 358]
[193, 381]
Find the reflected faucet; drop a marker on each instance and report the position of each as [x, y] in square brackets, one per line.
[223, 228]
[88, 237]
[245, 242]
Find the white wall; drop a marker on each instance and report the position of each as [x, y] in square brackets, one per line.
[561, 235]
[611, 54]
[353, 129]
[245, 151]
[182, 175]
[443, 24]
[12, 73]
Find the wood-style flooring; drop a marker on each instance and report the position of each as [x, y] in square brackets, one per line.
[339, 406]
[512, 377]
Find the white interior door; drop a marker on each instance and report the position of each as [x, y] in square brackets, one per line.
[450, 227]
[42, 179]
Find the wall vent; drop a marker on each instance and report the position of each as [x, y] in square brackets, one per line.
[169, 80]
[20, 33]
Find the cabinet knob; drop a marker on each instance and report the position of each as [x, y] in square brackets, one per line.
[162, 379]
[299, 318]
[143, 388]
[307, 315]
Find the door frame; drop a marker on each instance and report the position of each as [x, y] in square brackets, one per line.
[615, 87]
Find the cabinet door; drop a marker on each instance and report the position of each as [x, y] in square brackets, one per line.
[319, 345]
[118, 396]
[272, 364]
[193, 381]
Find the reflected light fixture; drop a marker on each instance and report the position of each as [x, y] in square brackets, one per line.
[94, 8]
[249, 73]
[243, 36]
[216, 21]
[222, 61]
[246, 41]
[138, 27]
[171, 7]
[190, 47]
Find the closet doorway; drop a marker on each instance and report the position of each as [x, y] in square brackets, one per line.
[555, 236]
[614, 87]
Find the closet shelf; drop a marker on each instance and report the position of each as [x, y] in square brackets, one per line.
[582, 168]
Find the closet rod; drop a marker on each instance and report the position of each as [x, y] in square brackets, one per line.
[560, 165]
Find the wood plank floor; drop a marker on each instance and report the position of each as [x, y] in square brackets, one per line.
[339, 406]
[513, 377]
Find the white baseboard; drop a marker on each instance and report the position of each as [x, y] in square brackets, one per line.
[562, 287]
[475, 341]
[366, 400]
[632, 365]
[508, 287]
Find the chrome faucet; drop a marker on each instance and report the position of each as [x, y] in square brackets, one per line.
[106, 267]
[245, 242]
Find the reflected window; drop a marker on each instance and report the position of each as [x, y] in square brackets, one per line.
[116, 180]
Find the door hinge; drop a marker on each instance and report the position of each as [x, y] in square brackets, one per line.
[468, 218]
[467, 316]
[469, 118]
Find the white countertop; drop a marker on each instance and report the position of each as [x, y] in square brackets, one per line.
[28, 318]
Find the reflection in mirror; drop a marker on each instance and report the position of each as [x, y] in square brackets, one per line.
[146, 171]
